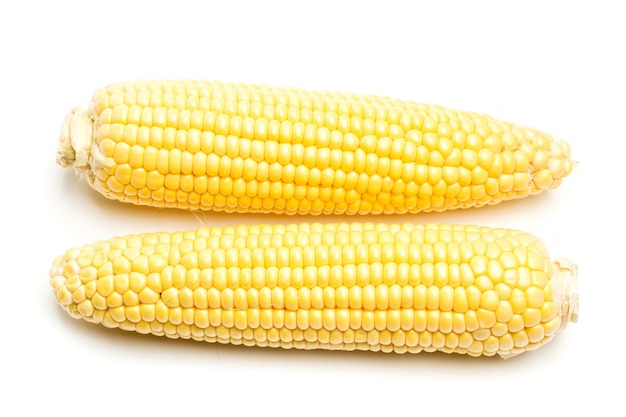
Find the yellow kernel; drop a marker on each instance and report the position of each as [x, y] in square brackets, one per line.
[432, 297]
[432, 320]
[147, 312]
[469, 159]
[518, 301]
[185, 297]
[460, 303]
[481, 334]
[516, 323]
[476, 348]
[471, 320]
[369, 297]
[486, 318]
[532, 317]
[148, 296]
[78, 295]
[105, 285]
[489, 300]
[504, 312]
[420, 320]
[552, 326]
[534, 297]
[118, 314]
[170, 297]
[539, 279]
[491, 344]
[506, 182]
[506, 342]
[473, 297]
[446, 322]
[133, 314]
[536, 333]
[548, 311]
[521, 181]
[419, 297]
[520, 339]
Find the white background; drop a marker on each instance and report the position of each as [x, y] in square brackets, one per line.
[557, 66]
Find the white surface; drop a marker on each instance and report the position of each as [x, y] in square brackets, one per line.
[556, 66]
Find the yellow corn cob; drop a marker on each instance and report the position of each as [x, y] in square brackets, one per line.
[347, 286]
[253, 148]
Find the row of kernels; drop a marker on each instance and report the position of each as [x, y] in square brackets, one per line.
[414, 246]
[117, 126]
[194, 201]
[256, 121]
[324, 265]
[414, 243]
[388, 233]
[266, 271]
[483, 129]
[330, 100]
[241, 181]
[313, 166]
[369, 297]
[527, 330]
[329, 319]
[193, 97]
[348, 339]
[377, 257]
[134, 289]
[327, 247]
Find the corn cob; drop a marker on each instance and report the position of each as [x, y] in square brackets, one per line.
[345, 286]
[253, 148]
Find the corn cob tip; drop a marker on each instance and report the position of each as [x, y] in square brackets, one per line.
[565, 289]
[76, 138]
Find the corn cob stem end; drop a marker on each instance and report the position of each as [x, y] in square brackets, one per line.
[565, 288]
[76, 138]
